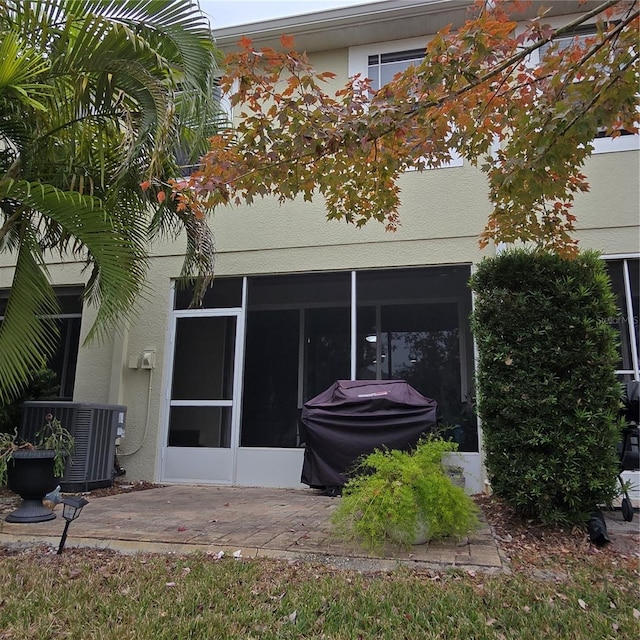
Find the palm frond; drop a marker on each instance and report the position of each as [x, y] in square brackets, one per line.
[20, 70]
[126, 86]
[113, 246]
[27, 335]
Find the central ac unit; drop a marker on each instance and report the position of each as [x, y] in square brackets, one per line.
[94, 427]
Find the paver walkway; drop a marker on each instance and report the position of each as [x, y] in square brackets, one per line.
[285, 523]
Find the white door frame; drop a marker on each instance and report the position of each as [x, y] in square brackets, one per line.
[196, 464]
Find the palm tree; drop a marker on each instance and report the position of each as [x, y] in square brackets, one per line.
[96, 96]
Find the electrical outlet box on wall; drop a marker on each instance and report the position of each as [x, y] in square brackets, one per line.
[148, 359]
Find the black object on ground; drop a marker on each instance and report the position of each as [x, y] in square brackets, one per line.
[598, 529]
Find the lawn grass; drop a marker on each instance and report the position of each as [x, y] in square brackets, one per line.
[85, 594]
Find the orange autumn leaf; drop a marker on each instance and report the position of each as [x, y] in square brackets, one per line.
[286, 41]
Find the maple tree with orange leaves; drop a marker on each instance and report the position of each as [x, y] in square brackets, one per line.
[529, 127]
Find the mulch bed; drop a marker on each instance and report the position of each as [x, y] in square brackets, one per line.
[120, 486]
[552, 552]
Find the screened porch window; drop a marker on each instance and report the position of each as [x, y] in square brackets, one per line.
[412, 324]
[625, 281]
[297, 344]
[202, 386]
[299, 333]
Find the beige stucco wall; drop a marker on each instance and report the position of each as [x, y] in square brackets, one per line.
[141, 389]
[442, 213]
[441, 218]
[609, 215]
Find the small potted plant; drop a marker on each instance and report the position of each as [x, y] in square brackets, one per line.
[33, 469]
[404, 497]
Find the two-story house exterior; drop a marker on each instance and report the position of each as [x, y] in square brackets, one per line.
[299, 302]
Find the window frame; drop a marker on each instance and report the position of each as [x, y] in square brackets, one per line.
[353, 307]
[628, 311]
[358, 63]
[64, 349]
[604, 144]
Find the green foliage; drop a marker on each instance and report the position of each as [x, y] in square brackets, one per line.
[547, 393]
[396, 494]
[96, 96]
[51, 437]
[41, 386]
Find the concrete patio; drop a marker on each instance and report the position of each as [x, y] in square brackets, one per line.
[257, 522]
[281, 523]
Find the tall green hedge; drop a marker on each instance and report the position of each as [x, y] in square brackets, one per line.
[547, 393]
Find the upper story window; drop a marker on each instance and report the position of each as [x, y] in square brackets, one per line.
[185, 158]
[380, 62]
[381, 67]
[564, 41]
[602, 143]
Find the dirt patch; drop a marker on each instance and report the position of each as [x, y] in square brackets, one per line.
[121, 486]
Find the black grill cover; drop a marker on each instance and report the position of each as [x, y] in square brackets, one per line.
[354, 417]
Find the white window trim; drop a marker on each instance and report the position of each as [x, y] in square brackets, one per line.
[623, 257]
[359, 64]
[225, 101]
[612, 145]
[600, 145]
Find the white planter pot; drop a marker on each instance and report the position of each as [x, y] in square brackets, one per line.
[422, 533]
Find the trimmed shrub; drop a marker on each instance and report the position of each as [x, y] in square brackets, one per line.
[547, 393]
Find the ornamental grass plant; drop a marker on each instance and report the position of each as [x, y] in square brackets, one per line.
[403, 497]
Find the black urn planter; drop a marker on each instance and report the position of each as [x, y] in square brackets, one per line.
[30, 474]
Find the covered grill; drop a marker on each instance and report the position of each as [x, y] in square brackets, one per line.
[354, 417]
